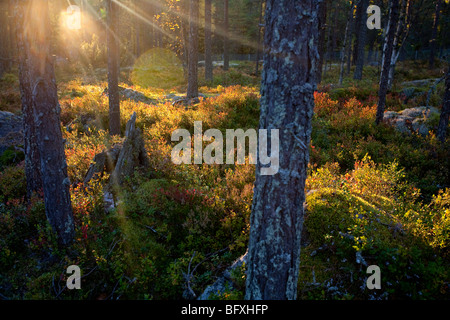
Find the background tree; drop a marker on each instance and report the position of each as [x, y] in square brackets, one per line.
[401, 34]
[387, 54]
[287, 102]
[113, 67]
[445, 112]
[361, 43]
[226, 53]
[208, 43]
[322, 31]
[345, 43]
[434, 34]
[192, 89]
[5, 41]
[44, 150]
[260, 26]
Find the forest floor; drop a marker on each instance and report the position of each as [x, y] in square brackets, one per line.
[375, 195]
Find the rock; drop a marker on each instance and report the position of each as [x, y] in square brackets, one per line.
[11, 130]
[419, 125]
[411, 119]
[418, 112]
[224, 281]
[403, 123]
[419, 83]
[390, 114]
[131, 94]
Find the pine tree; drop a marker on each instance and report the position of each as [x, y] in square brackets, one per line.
[287, 102]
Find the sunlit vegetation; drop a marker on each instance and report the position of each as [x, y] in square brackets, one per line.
[374, 195]
[372, 192]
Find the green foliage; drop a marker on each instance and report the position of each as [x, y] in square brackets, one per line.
[373, 193]
[159, 68]
[371, 214]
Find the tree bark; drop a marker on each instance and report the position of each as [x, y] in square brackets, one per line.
[350, 37]
[341, 71]
[287, 102]
[362, 33]
[356, 32]
[258, 49]
[192, 89]
[445, 112]
[208, 44]
[113, 68]
[387, 54]
[322, 30]
[434, 34]
[44, 151]
[226, 54]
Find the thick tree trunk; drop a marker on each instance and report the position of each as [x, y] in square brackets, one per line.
[208, 43]
[45, 158]
[226, 54]
[387, 54]
[192, 89]
[287, 102]
[434, 34]
[445, 112]
[113, 68]
[362, 32]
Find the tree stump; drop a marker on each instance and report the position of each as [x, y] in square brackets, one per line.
[132, 154]
[122, 159]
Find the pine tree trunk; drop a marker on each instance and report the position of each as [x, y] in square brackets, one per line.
[287, 102]
[208, 44]
[350, 38]
[362, 33]
[341, 72]
[258, 49]
[322, 30]
[44, 152]
[434, 34]
[445, 112]
[192, 89]
[113, 68]
[226, 54]
[387, 54]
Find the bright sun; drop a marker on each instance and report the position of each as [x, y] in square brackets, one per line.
[72, 18]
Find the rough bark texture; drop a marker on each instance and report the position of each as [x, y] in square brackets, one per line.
[387, 54]
[208, 43]
[362, 32]
[445, 113]
[113, 68]
[226, 54]
[192, 89]
[287, 102]
[44, 151]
